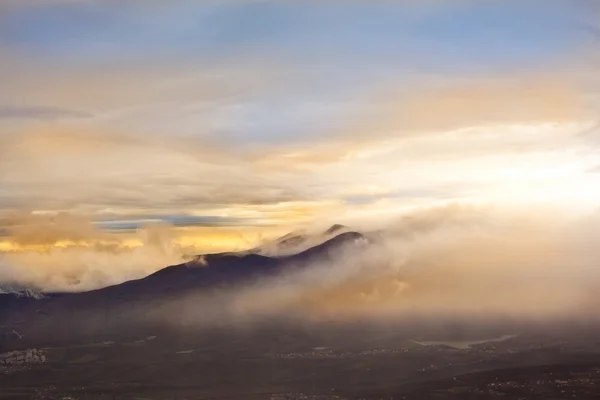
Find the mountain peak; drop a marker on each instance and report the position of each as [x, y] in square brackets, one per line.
[291, 240]
[330, 247]
[335, 228]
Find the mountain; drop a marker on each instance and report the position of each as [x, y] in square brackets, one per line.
[291, 239]
[124, 309]
[336, 228]
[298, 241]
[328, 249]
[230, 268]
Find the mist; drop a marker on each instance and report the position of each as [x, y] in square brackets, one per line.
[442, 262]
[66, 253]
[448, 262]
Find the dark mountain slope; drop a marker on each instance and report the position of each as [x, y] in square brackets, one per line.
[123, 308]
[327, 250]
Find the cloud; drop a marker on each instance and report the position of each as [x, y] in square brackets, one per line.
[39, 113]
[458, 260]
[192, 92]
[138, 93]
[14, 5]
[142, 177]
[39, 229]
[74, 269]
[129, 173]
[594, 169]
[494, 101]
[449, 117]
[66, 252]
[249, 134]
[69, 252]
[453, 262]
[132, 222]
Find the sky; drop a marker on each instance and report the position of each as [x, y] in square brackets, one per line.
[215, 124]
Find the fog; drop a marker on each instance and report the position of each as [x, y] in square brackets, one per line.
[447, 262]
[66, 253]
[79, 269]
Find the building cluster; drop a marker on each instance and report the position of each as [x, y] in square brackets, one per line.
[19, 360]
[575, 387]
[29, 356]
[310, 354]
[328, 353]
[303, 396]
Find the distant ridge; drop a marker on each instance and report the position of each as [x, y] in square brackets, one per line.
[126, 307]
[298, 241]
[288, 241]
[329, 248]
[336, 228]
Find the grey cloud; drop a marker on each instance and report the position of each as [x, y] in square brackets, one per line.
[157, 197]
[132, 172]
[173, 220]
[433, 192]
[40, 113]
[592, 30]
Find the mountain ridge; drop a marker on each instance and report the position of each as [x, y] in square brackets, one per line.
[124, 307]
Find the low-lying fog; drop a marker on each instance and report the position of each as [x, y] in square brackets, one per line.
[452, 261]
[444, 262]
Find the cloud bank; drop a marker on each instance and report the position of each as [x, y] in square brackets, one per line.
[66, 252]
[437, 263]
